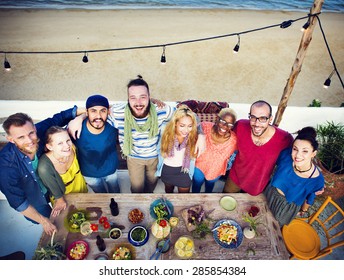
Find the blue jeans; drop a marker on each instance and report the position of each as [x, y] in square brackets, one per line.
[107, 184]
[199, 179]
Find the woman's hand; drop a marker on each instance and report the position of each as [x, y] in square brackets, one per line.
[59, 206]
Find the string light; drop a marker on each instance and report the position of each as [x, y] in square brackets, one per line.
[306, 25]
[237, 46]
[328, 80]
[7, 65]
[85, 58]
[332, 59]
[286, 24]
[163, 57]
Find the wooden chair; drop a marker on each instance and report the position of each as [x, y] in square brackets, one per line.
[302, 238]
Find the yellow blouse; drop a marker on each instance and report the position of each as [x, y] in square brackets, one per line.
[73, 179]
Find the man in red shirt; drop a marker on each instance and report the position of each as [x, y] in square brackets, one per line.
[259, 145]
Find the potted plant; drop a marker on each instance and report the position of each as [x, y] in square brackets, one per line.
[331, 148]
[253, 221]
[52, 251]
[330, 157]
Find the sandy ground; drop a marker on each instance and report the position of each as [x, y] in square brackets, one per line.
[206, 70]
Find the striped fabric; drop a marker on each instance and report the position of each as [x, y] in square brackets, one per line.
[143, 147]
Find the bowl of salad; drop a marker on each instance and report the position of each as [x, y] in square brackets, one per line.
[138, 235]
[75, 219]
[78, 250]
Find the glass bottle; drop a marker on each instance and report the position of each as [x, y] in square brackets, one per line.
[114, 207]
[100, 243]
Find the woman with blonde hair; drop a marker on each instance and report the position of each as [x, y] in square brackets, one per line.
[221, 146]
[59, 168]
[177, 154]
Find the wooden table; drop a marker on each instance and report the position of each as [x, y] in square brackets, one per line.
[268, 245]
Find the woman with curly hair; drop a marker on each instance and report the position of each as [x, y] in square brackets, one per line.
[220, 152]
[177, 154]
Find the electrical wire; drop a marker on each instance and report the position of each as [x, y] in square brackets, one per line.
[329, 51]
[160, 45]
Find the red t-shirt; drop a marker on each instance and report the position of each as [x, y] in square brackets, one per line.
[253, 164]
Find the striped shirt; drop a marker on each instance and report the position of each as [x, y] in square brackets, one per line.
[143, 146]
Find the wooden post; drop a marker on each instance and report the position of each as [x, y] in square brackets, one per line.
[296, 69]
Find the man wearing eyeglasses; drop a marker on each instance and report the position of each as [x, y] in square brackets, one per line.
[259, 145]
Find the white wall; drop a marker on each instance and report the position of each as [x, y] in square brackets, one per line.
[294, 118]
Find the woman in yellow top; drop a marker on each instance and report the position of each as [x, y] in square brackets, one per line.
[221, 146]
[59, 168]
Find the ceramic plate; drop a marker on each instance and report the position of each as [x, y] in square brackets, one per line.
[233, 244]
[160, 202]
[78, 250]
[228, 203]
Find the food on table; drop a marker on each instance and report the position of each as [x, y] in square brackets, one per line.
[78, 251]
[85, 228]
[174, 221]
[135, 216]
[161, 229]
[192, 216]
[115, 233]
[184, 247]
[122, 253]
[160, 211]
[138, 234]
[76, 219]
[227, 233]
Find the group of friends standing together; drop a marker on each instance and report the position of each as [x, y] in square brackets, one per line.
[75, 150]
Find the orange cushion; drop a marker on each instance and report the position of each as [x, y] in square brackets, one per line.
[301, 239]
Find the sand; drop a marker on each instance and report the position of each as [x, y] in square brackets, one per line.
[206, 70]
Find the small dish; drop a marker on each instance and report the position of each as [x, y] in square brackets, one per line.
[138, 236]
[160, 246]
[102, 257]
[115, 233]
[228, 203]
[85, 228]
[164, 208]
[78, 250]
[136, 216]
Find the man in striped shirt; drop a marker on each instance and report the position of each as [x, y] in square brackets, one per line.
[139, 123]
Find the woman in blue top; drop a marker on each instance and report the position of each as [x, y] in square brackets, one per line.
[296, 178]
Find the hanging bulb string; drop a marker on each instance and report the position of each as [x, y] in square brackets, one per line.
[329, 51]
[162, 45]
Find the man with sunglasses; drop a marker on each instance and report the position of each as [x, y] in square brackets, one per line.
[259, 145]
